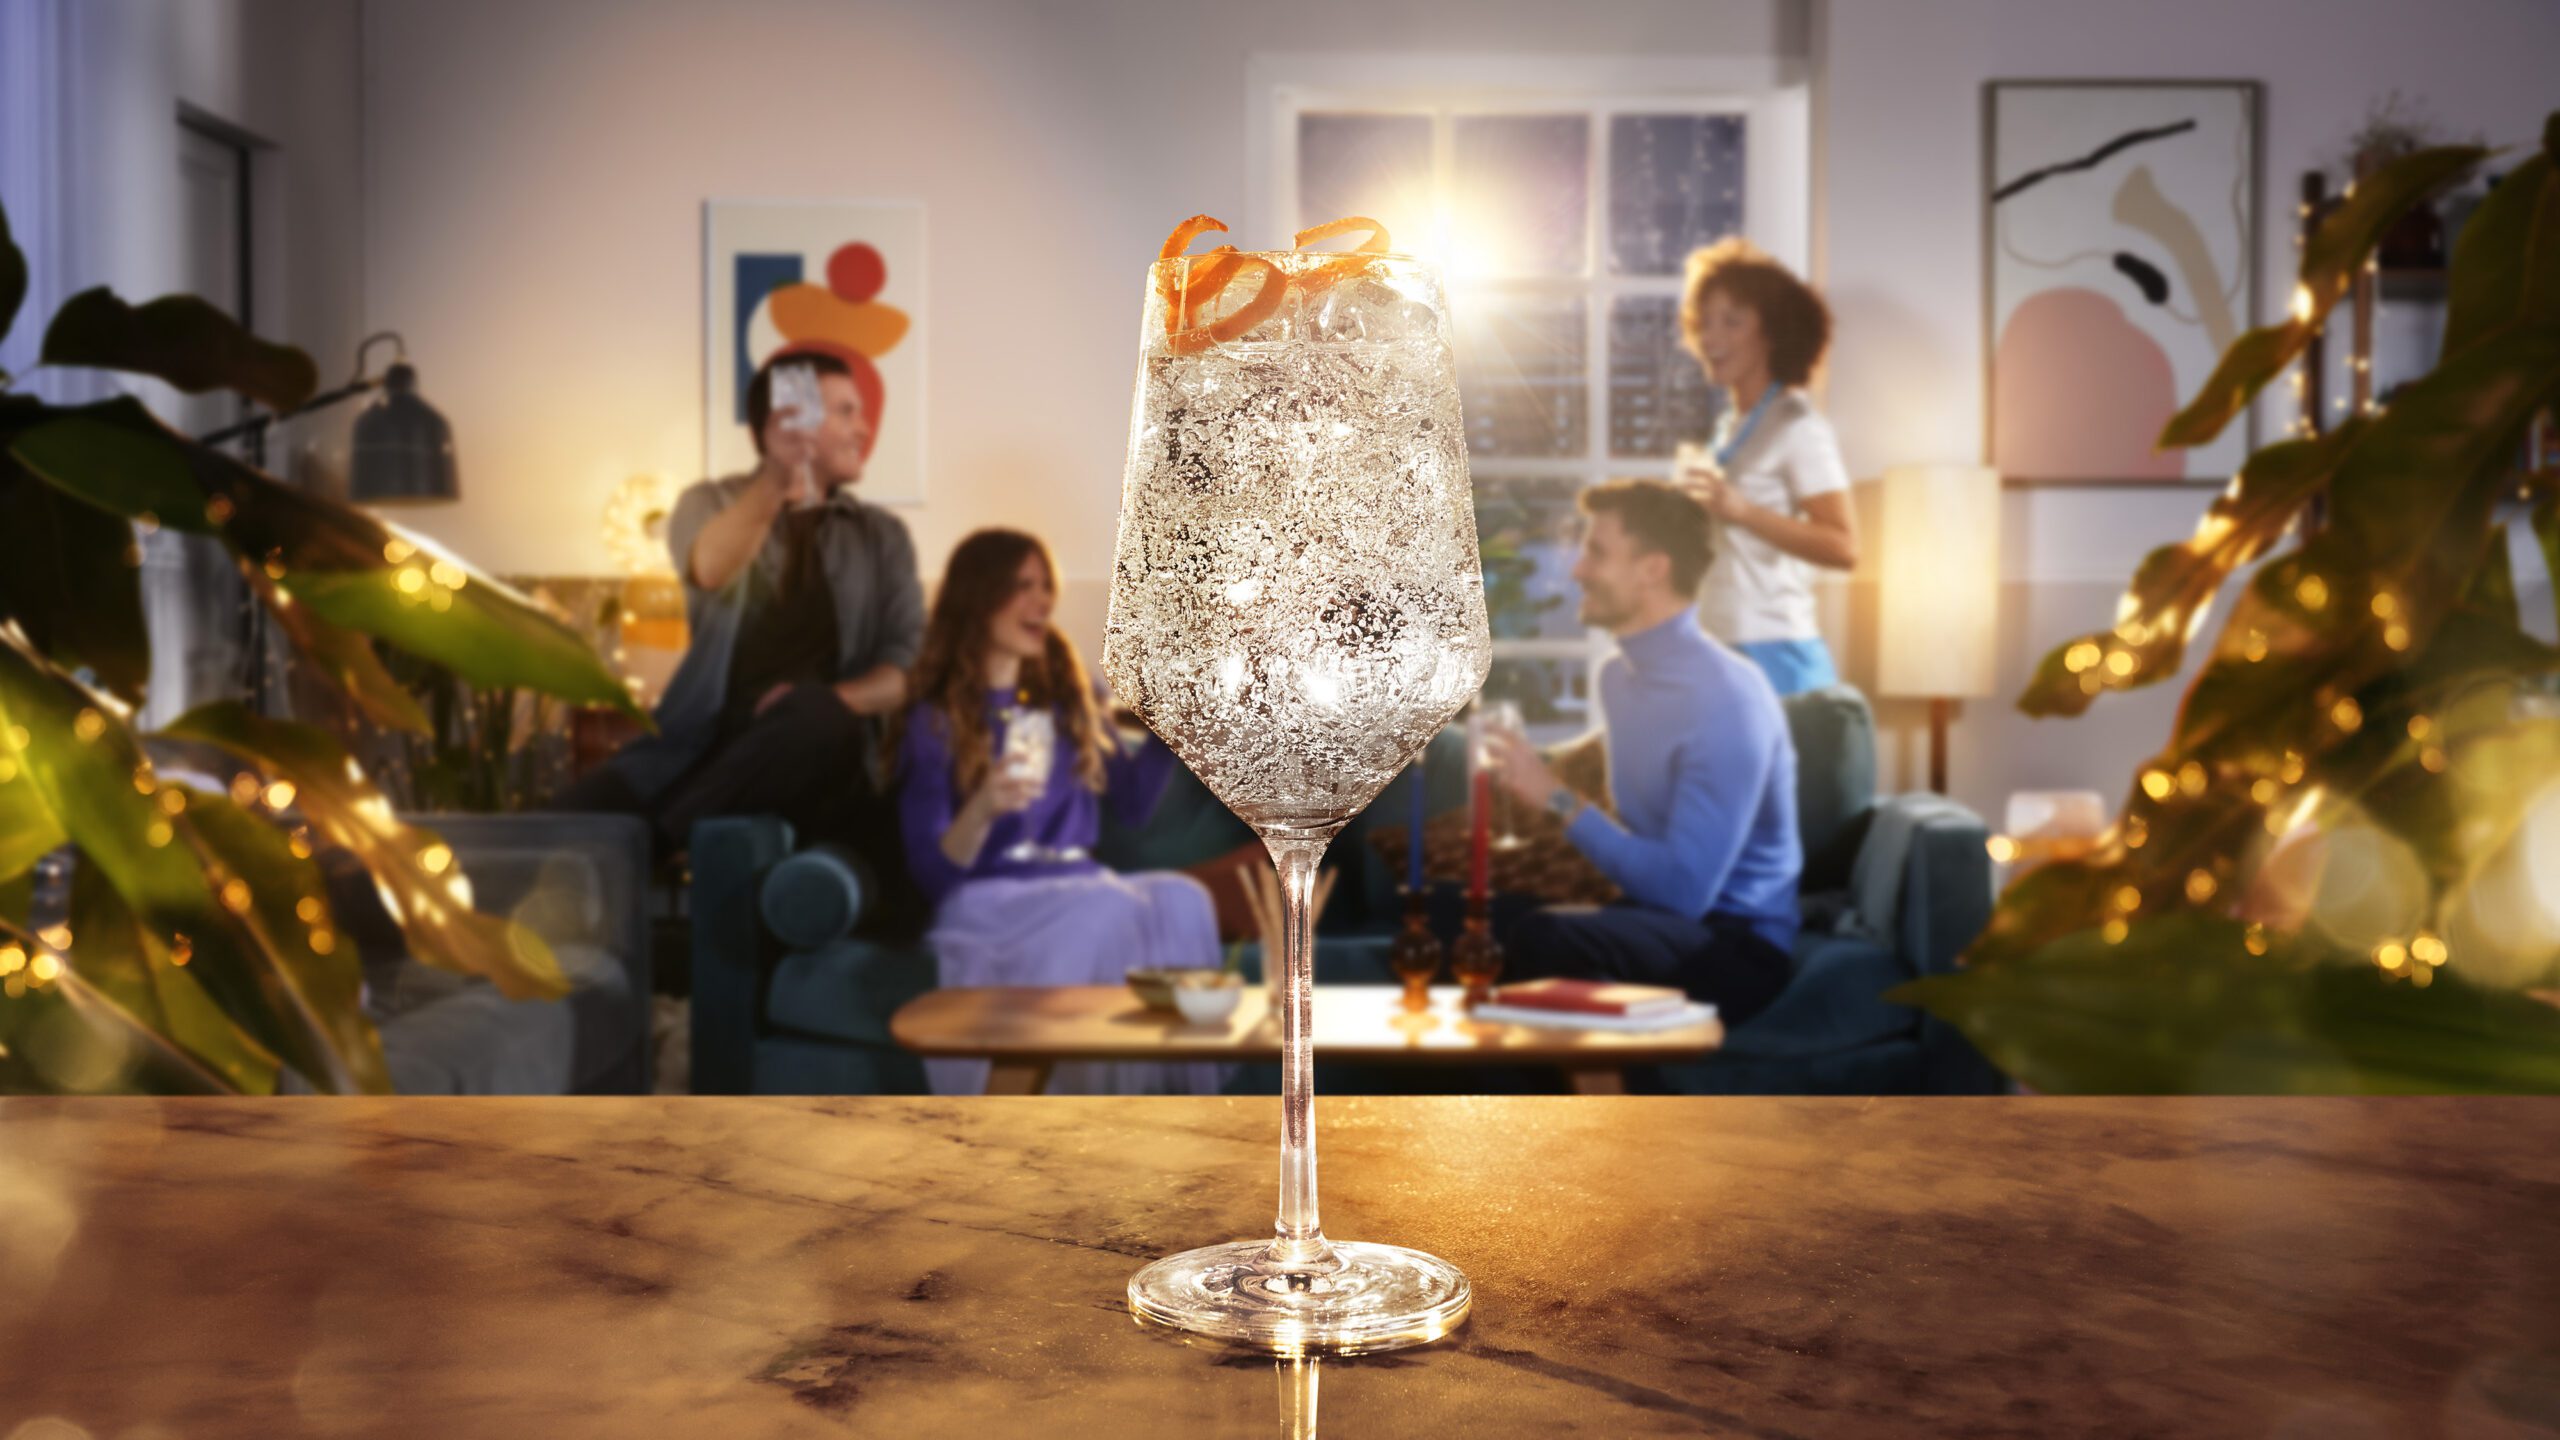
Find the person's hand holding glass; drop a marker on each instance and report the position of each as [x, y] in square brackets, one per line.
[1694, 469]
[1519, 770]
[1030, 749]
[799, 411]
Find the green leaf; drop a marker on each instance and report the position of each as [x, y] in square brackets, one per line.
[2177, 582]
[483, 631]
[2181, 1007]
[2546, 529]
[180, 339]
[2329, 263]
[65, 1036]
[178, 875]
[113, 950]
[117, 456]
[13, 276]
[289, 913]
[28, 831]
[2506, 261]
[340, 656]
[2448, 433]
[337, 560]
[72, 582]
[421, 881]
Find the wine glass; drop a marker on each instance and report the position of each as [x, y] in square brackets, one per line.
[1297, 606]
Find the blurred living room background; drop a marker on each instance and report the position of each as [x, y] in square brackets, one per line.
[527, 196]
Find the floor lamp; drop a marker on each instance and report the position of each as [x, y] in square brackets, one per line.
[1939, 577]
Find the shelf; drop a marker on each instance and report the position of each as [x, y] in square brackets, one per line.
[2423, 287]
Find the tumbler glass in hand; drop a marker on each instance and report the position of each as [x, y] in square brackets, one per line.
[1030, 749]
[800, 406]
[1297, 606]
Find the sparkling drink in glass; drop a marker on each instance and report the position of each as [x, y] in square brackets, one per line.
[1030, 750]
[1297, 606]
[801, 407]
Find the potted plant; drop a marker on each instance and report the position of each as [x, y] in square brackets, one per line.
[2332, 877]
[198, 952]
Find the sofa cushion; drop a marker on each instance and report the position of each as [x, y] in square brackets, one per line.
[848, 990]
[814, 897]
[471, 1040]
[1189, 825]
[1835, 740]
[1833, 1002]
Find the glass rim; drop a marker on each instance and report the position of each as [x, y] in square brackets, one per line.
[1402, 257]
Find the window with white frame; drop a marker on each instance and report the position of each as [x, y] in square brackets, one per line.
[1562, 219]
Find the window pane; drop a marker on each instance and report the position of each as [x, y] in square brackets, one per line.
[1524, 189]
[1520, 376]
[1657, 394]
[1554, 694]
[1529, 532]
[1373, 165]
[1675, 183]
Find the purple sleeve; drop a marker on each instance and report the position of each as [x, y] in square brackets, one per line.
[1135, 776]
[926, 805]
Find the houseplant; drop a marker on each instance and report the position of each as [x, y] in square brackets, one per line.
[199, 953]
[2331, 878]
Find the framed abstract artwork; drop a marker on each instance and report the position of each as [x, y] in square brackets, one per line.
[2120, 258]
[840, 278]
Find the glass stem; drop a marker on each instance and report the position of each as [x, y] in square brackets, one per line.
[1301, 1245]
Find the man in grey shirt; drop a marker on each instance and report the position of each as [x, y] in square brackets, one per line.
[805, 613]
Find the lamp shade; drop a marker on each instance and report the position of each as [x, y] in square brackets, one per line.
[403, 449]
[1939, 572]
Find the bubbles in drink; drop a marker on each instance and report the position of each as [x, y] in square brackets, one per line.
[1298, 602]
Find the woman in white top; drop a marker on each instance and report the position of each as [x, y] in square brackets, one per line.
[1772, 477]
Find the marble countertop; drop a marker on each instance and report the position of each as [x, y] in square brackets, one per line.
[2309, 1269]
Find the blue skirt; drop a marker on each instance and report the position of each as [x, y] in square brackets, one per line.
[1793, 666]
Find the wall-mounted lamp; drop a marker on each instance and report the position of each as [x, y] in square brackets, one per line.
[403, 448]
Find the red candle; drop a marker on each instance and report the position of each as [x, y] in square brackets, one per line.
[1480, 838]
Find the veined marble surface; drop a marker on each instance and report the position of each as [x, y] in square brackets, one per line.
[2309, 1269]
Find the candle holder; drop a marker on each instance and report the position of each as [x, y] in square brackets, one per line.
[1476, 960]
[1416, 953]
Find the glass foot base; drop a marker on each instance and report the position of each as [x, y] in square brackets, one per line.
[1380, 1297]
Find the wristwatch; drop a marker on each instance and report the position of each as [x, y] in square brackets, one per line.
[1564, 803]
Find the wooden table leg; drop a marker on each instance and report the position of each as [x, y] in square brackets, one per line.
[1018, 1077]
[1598, 1082]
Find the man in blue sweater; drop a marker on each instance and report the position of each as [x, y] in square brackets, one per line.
[1702, 775]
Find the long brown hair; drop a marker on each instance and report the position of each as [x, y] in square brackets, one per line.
[951, 669]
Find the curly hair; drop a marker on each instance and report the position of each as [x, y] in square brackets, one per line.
[951, 669]
[1792, 315]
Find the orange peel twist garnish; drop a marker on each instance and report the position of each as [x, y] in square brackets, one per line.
[1200, 283]
[1348, 265]
[1275, 288]
[1211, 273]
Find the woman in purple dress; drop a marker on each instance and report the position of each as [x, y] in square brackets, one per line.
[1006, 759]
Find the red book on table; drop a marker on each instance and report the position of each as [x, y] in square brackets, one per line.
[1590, 997]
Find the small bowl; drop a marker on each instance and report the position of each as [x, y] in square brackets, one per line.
[1207, 1002]
[1154, 986]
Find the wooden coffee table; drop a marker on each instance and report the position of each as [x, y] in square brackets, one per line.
[1027, 1029]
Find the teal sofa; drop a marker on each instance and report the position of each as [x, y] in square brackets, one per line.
[786, 1000]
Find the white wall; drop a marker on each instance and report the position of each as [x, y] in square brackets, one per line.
[105, 195]
[537, 173]
[1898, 218]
